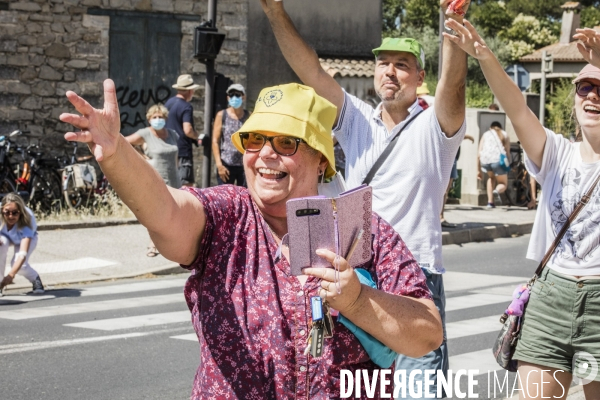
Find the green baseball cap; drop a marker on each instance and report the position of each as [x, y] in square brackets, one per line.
[407, 45]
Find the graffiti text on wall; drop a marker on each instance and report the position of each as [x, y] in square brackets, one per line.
[133, 98]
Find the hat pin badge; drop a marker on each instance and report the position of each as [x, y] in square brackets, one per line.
[272, 97]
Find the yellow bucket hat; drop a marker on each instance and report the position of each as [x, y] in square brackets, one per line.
[423, 89]
[293, 110]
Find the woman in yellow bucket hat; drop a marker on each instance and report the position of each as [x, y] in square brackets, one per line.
[252, 317]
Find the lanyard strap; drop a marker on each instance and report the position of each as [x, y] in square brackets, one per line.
[386, 152]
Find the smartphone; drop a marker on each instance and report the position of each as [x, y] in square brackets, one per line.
[310, 227]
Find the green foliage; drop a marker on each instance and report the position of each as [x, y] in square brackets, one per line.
[423, 13]
[560, 117]
[491, 17]
[590, 17]
[391, 10]
[479, 95]
[525, 35]
[543, 9]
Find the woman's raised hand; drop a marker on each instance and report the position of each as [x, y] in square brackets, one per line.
[467, 38]
[100, 129]
[589, 45]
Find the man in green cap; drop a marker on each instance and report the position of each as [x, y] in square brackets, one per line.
[409, 186]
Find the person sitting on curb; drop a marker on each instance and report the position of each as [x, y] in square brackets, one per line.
[244, 301]
[19, 229]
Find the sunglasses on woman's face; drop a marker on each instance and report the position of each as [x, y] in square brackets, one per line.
[9, 213]
[584, 88]
[282, 145]
[234, 94]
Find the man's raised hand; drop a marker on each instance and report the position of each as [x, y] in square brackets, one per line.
[100, 129]
[589, 45]
[455, 9]
[271, 5]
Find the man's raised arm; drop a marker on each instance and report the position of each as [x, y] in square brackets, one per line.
[450, 92]
[300, 56]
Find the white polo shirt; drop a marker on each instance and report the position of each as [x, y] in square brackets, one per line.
[409, 188]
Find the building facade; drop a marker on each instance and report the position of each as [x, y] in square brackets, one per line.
[50, 46]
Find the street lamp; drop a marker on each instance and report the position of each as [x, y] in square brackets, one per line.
[207, 44]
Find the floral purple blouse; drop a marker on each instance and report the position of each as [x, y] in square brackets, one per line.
[252, 316]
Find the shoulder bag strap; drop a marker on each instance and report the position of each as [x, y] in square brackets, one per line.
[386, 152]
[580, 205]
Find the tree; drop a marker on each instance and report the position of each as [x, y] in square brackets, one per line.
[491, 17]
[392, 13]
[422, 13]
[542, 9]
[590, 17]
[525, 35]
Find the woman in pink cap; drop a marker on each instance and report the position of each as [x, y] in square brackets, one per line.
[561, 326]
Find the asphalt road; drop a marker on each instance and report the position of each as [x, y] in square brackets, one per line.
[41, 358]
[104, 341]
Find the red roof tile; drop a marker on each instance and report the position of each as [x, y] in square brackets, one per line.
[348, 67]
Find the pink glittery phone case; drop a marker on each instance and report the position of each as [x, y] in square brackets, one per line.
[312, 226]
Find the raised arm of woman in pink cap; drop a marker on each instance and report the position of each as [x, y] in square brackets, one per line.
[589, 45]
[528, 128]
[174, 218]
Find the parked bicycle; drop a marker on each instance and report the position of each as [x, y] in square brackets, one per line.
[39, 176]
[518, 191]
[80, 184]
[7, 173]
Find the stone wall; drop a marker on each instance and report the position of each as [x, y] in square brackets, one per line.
[50, 46]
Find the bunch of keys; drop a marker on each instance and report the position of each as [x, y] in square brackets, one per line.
[322, 326]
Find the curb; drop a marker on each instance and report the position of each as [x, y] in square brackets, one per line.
[458, 236]
[164, 270]
[48, 226]
[486, 233]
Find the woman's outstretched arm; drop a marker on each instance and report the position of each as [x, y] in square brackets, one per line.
[528, 128]
[174, 218]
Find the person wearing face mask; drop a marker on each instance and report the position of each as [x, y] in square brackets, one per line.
[160, 145]
[230, 168]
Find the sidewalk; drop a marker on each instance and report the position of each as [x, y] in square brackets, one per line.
[478, 223]
[83, 252]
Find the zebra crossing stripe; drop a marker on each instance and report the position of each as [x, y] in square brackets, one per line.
[133, 287]
[191, 337]
[91, 307]
[467, 281]
[482, 360]
[72, 265]
[476, 326]
[138, 321]
[95, 291]
[22, 347]
[476, 300]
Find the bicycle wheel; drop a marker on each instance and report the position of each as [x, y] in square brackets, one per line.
[6, 187]
[74, 197]
[46, 191]
[519, 193]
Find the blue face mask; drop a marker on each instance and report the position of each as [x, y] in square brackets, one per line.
[235, 102]
[158, 123]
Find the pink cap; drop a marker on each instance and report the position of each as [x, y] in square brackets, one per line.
[588, 72]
